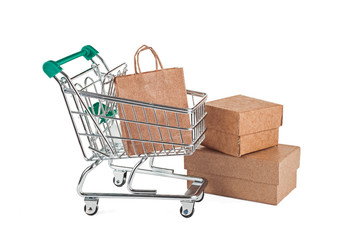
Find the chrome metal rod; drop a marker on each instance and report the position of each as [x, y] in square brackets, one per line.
[92, 118]
[140, 196]
[131, 178]
[135, 139]
[72, 119]
[136, 103]
[84, 174]
[158, 169]
[162, 174]
[192, 194]
[82, 73]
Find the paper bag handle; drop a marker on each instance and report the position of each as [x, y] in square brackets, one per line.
[136, 58]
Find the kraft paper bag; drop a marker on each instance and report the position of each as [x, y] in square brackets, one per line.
[163, 87]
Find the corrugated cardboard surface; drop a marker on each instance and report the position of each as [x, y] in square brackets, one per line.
[248, 190]
[265, 176]
[242, 116]
[239, 145]
[265, 166]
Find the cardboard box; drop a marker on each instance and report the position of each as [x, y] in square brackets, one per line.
[265, 176]
[238, 125]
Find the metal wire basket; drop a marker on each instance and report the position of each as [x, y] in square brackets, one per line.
[100, 120]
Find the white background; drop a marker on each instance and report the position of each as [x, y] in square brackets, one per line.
[302, 54]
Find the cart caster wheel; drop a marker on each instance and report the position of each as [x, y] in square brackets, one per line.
[120, 178]
[187, 208]
[186, 213]
[90, 211]
[91, 206]
[201, 197]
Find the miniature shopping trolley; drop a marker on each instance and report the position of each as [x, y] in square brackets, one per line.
[95, 112]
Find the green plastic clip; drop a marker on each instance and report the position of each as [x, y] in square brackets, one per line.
[100, 111]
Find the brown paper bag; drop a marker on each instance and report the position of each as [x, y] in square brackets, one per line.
[164, 87]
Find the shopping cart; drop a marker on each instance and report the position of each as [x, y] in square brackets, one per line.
[94, 112]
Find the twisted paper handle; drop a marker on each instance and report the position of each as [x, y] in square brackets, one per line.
[136, 58]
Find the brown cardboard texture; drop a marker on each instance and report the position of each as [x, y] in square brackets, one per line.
[265, 176]
[163, 87]
[248, 190]
[238, 125]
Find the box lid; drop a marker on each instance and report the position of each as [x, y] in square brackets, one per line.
[240, 115]
[265, 166]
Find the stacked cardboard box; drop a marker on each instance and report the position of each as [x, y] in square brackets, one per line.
[242, 158]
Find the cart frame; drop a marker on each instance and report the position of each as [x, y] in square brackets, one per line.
[97, 127]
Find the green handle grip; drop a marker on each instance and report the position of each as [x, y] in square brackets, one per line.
[51, 68]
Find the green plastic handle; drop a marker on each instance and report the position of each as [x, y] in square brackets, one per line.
[51, 68]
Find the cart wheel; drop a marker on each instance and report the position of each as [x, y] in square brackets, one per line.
[90, 211]
[119, 181]
[186, 213]
[91, 205]
[201, 197]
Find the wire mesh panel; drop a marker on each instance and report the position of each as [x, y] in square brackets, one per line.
[137, 129]
[110, 128]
